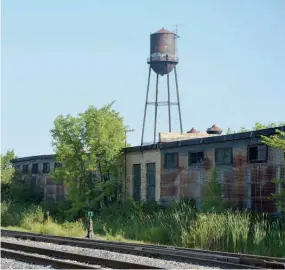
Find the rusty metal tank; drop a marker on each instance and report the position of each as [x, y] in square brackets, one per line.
[163, 51]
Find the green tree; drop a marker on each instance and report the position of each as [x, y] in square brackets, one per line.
[278, 141]
[257, 126]
[7, 170]
[89, 146]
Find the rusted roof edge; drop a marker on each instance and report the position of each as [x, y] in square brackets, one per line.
[180, 143]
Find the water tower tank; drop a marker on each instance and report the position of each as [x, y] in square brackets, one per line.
[163, 51]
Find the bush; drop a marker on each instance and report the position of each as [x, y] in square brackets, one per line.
[31, 218]
[58, 210]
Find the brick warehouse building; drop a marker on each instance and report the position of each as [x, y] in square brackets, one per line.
[181, 165]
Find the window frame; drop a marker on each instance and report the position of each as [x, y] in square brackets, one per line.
[25, 166]
[33, 171]
[220, 149]
[136, 193]
[190, 159]
[251, 161]
[151, 174]
[47, 171]
[166, 165]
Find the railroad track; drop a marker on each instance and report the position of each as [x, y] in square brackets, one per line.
[62, 260]
[202, 257]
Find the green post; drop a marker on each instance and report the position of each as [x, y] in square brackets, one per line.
[90, 232]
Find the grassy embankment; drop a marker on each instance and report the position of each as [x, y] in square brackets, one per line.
[179, 225]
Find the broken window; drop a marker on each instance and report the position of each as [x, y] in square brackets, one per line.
[35, 168]
[257, 153]
[224, 155]
[25, 168]
[46, 168]
[171, 160]
[196, 157]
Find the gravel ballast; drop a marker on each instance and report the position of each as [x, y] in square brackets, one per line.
[108, 255]
[13, 264]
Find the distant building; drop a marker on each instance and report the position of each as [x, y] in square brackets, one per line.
[180, 165]
[36, 171]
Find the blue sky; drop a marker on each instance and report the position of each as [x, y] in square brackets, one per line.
[59, 57]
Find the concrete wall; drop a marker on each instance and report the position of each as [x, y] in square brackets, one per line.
[174, 136]
[142, 158]
[245, 184]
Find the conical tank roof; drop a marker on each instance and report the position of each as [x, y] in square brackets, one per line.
[163, 31]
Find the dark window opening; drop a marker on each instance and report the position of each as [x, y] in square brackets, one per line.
[137, 182]
[223, 156]
[150, 176]
[46, 168]
[17, 167]
[257, 153]
[171, 160]
[35, 168]
[57, 165]
[25, 168]
[196, 157]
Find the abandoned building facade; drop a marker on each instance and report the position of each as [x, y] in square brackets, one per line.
[181, 166]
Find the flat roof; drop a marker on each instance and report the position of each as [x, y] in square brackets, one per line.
[206, 140]
[181, 143]
[33, 158]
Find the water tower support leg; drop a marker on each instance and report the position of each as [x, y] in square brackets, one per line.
[146, 101]
[178, 101]
[155, 114]
[168, 90]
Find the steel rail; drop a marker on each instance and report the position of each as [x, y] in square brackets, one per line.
[74, 257]
[42, 261]
[220, 259]
[19, 234]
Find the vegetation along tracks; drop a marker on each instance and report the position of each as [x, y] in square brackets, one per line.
[213, 258]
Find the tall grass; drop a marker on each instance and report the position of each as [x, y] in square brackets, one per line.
[179, 225]
[182, 226]
[31, 218]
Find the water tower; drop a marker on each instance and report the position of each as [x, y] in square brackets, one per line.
[162, 61]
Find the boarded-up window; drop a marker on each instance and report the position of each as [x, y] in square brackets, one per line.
[257, 153]
[171, 160]
[59, 192]
[34, 181]
[224, 156]
[137, 182]
[49, 181]
[196, 157]
[150, 176]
